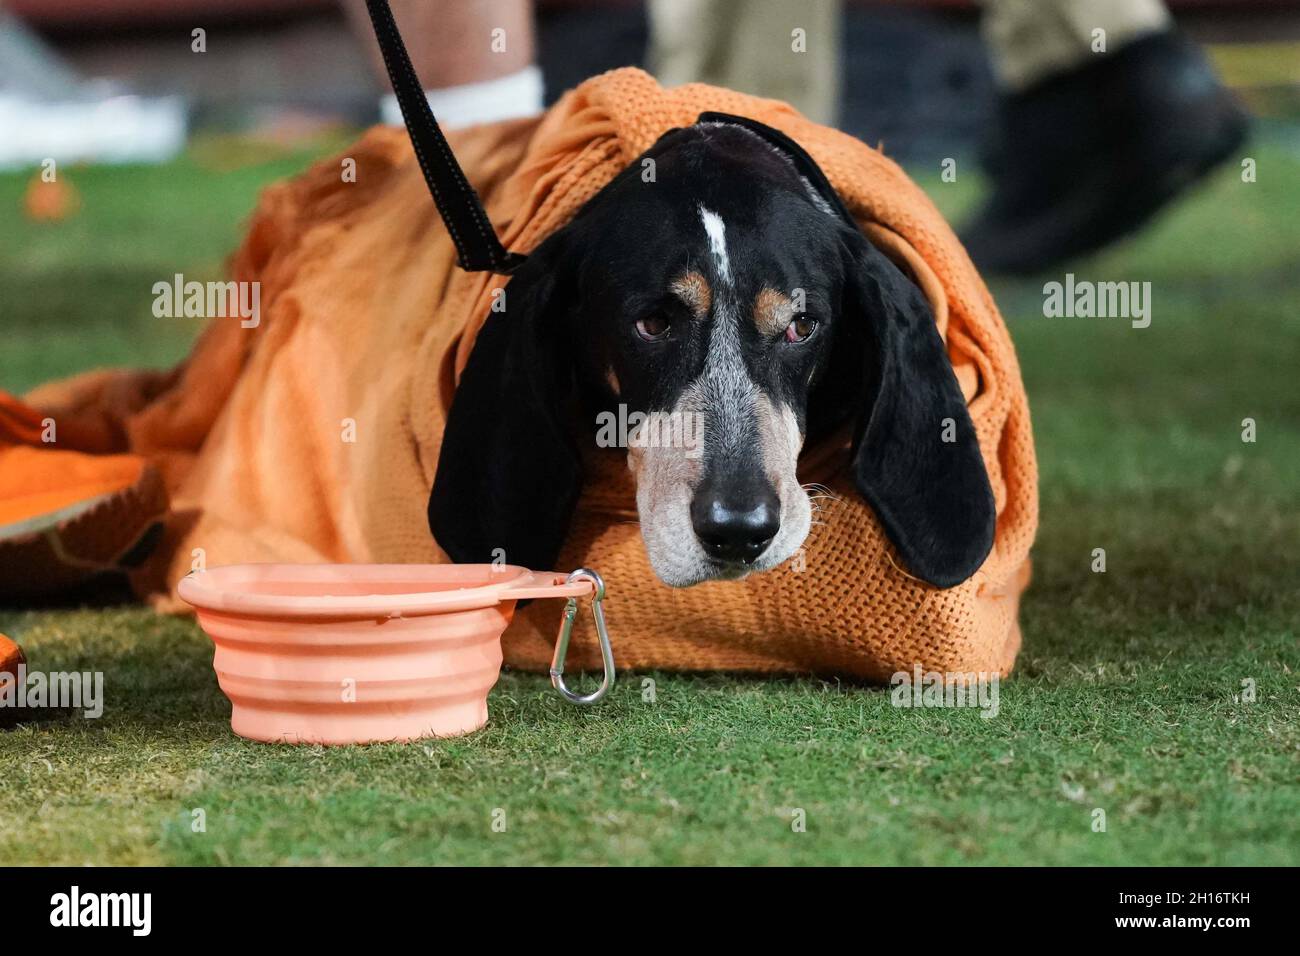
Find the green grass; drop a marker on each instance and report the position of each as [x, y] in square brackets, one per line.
[1124, 698]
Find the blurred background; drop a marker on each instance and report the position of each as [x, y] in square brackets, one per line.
[915, 74]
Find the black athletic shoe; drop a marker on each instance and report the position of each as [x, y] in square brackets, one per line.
[1089, 156]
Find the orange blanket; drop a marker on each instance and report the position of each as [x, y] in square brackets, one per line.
[315, 435]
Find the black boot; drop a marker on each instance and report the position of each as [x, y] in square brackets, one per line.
[1090, 155]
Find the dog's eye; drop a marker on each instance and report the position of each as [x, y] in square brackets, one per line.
[800, 330]
[653, 328]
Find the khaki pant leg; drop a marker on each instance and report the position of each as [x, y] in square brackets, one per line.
[751, 46]
[1030, 40]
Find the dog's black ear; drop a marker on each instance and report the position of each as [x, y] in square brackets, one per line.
[915, 457]
[509, 472]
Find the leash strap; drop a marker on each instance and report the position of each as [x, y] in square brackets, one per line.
[477, 247]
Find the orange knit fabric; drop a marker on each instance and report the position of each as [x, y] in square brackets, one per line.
[366, 322]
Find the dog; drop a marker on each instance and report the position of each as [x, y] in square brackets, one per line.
[732, 285]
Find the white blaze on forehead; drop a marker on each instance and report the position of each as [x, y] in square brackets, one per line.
[724, 393]
[716, 230]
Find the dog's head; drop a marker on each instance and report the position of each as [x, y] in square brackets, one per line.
[713, 307]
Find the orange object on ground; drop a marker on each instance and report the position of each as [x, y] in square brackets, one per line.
[51, 201]
[366, 323]
[11, 655]
[66, 512]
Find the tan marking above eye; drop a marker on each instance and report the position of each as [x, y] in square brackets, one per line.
[772, 311]
[693, 289]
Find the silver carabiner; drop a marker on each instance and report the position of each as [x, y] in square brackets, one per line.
[566, 631]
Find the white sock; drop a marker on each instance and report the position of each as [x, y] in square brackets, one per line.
[507, 97]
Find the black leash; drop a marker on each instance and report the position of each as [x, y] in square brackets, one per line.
[477, 247]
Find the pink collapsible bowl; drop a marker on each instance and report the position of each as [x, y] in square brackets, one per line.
[364, 653]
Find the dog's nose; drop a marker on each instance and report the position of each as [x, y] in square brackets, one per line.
[735, 526]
